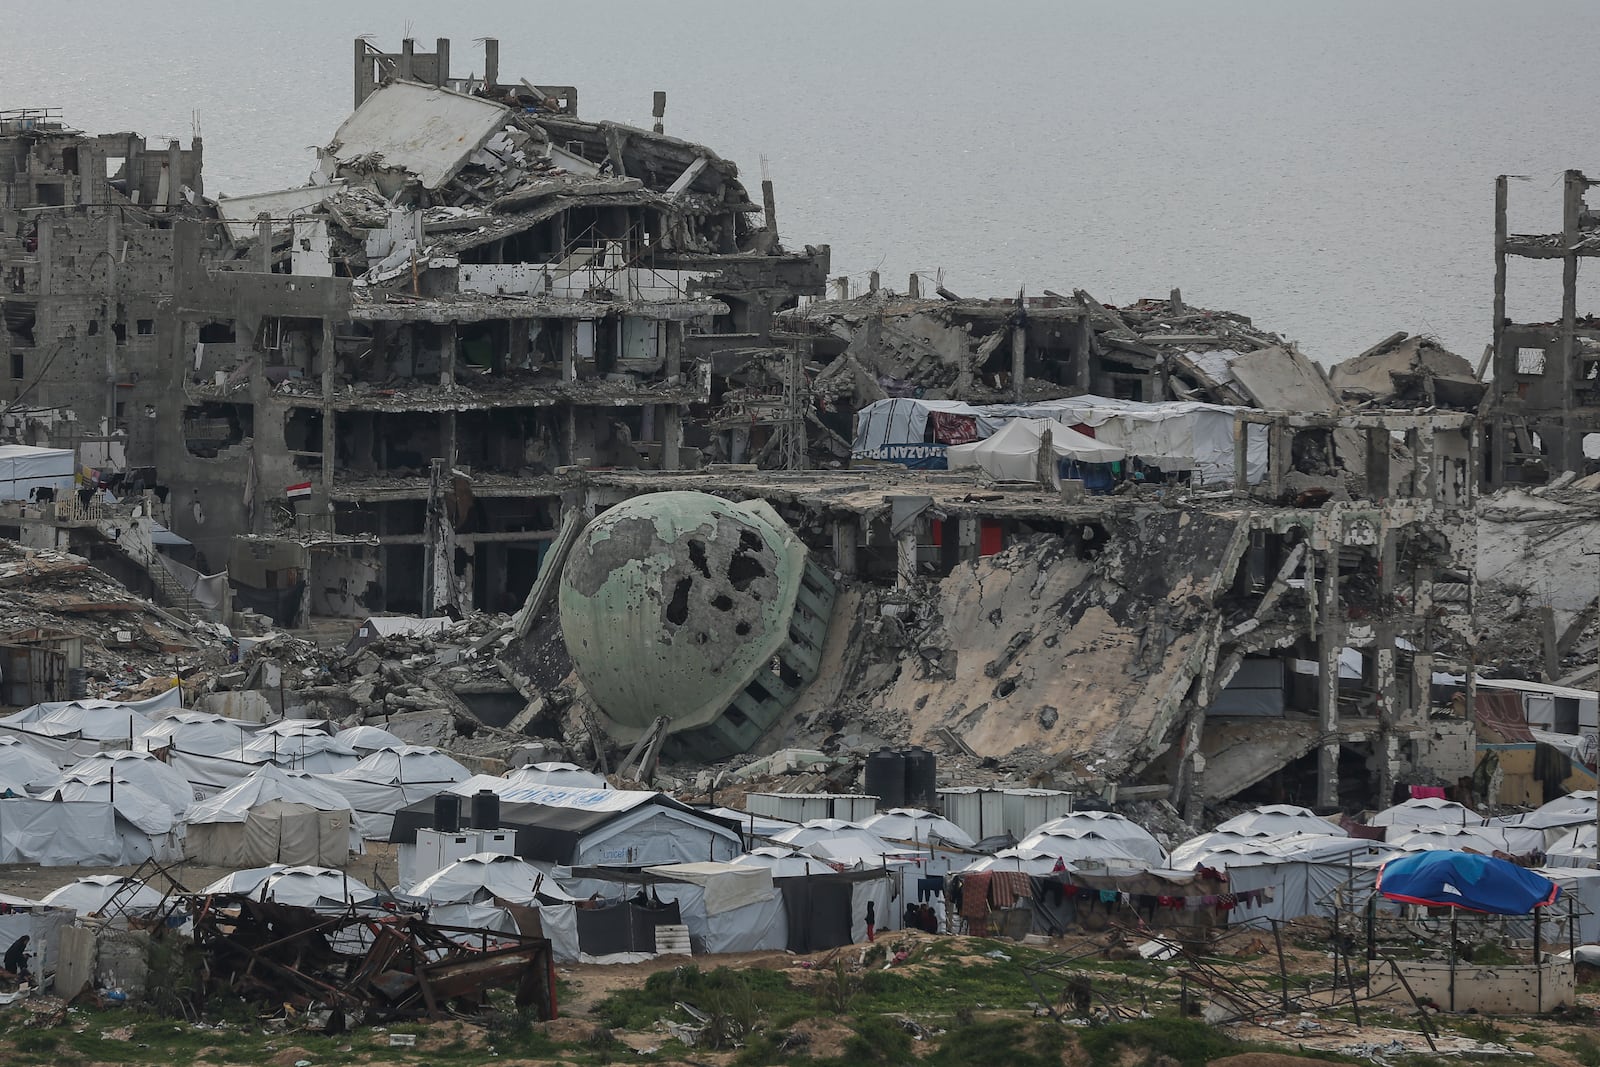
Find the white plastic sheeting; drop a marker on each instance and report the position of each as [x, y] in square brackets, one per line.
[198, 731]
[59, 834]
[1429, 811]
[140, 768]
[315, 887]
[22, 766]
[1273, 820]
[1018, 859]
[1012, 454]
[368, 739]
[99, 893]
[1101, 825]
[483, 875]
[1484, 839]
[316, 752]
[245, 881]
[567, 775]
[783, 862]
[92, 720]
[133, 804]
[24, 468]
[267, 783]
[1174, 435]
[914, 824]
[390, 779]
[727, 885]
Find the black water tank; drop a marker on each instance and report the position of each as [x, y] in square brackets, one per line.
[886, 778]
[486, 810]
[446, 812]
[922, 781]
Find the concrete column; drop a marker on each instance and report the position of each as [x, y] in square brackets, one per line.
[674, 367]
[1019, 372]
[447, 357]
[1241, 457]
[1279, 448]
[569, 433]
[769, 206]
[441, 70]
[1330, 638]
[408, 49]
[846, 540]
[329, 444]
[1386, 747]
[914, 286]
[569, 350]
[671, 437]
[491, 61]
[264, 243]
[174, 173]
[971, 538]
[363, 72]
[447, 438]
[906, 559]
[658, 110]
[518, 353]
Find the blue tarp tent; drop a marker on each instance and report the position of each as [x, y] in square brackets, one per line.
[1465, 880]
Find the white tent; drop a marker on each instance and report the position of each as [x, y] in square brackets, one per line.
[482, 875]
[1106, 826]
[1219, 850]
[388, 780]
[133, 804]
[1012, 454]
[783, 862]
[316, 752]
[291, 727]
[99, 894]
[314, 887]
[1086, 846]
[22, 766]
[24, 468]
[141, 768]
[1485, 839]
[1428, 811]
[245, 881]
[61, 834]
[94, 720]
[1017, 859]
[569, 775]
[412, 763]
[369, 739]
[197, 731]
[819, 829]
[914, 824]
[1272, 820]
[274, 816]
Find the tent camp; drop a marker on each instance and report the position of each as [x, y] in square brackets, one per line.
[1034, 863]
[104, 894]
[390, 779]
[569, 775]
[594, 827]
[1427, 811]
[1107, 826]
[245, 881]
[783, 862]
[22, 766]
[141, 768]
[60, 833]
[25, 468]
[92, 720]
[1274, 820]
[484, 876]
[197, 731]
[314, 887]
[1012, 454]
[914, 824]
[369, 739]
[274, 816]
[311, 751]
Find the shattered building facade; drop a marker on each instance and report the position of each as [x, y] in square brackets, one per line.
[411, 385]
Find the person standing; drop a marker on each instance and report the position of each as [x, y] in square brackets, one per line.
[872, 920]
[16, 960]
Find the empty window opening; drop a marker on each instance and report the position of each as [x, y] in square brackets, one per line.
[217, 333]
[697, 556]
[50, 194]
[18, 370]
[678, 606]
[146, 327]
[120, 328]
[210, 428]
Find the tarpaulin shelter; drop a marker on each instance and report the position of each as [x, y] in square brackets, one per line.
[25, 468]
[246, 881]
[141, 768]
[315, 887]
[104, 894]
[368, 739]
[483, 876]
[93, 720]
[1012, 454]
[60, 833]
[914, 824]
[1465, 880]
[274, 816]
[783, 862]
[23, 766]
[1103, 825]
[592, 827]
[198, 731]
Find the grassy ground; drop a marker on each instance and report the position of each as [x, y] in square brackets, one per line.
[933, 1002]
